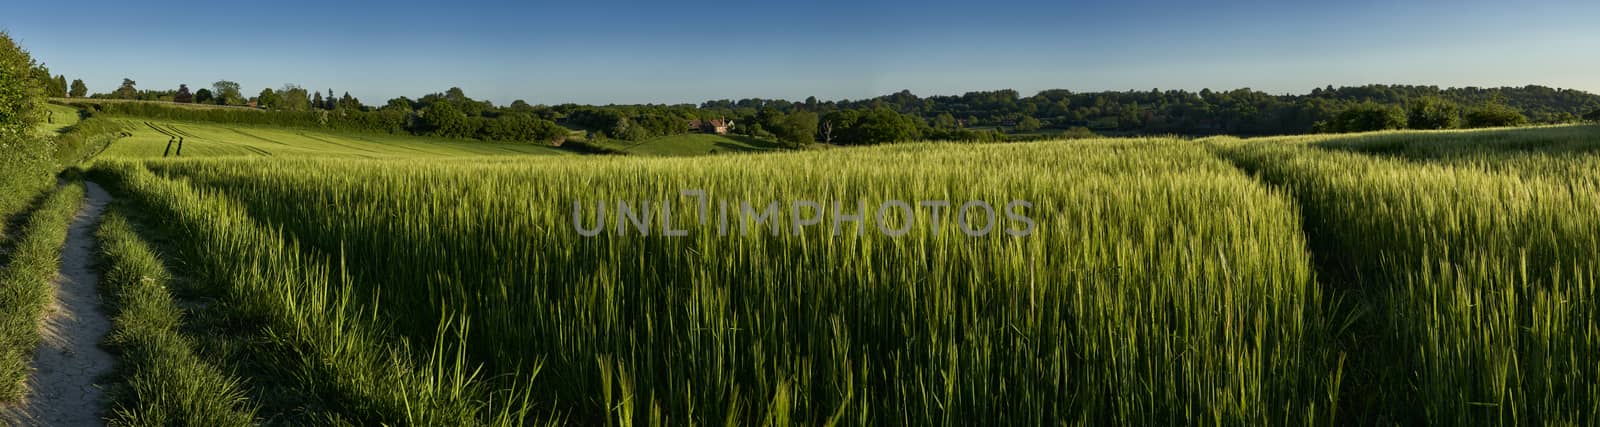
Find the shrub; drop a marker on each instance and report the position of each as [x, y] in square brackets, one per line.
[1495, 115]
[1434, 113]
[1367, 116]
[20, 94]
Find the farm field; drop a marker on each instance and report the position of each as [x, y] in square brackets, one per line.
[1407, 277]
[149, 140]
[693, 144]
[491, 214]
[60, 117]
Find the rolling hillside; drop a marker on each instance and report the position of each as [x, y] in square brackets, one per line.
[149, 139]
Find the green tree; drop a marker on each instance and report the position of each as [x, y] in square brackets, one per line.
[1495, 115]
[295, 98]
[797, 129]
[20, 95]
[398, 104]
[204, 96]
[183, 96]
[1431, 112]
[1368, 116]
[128, 90]
[58, 86]
[78, 90]
[42, 75]
[268, 99]
[868, 127]
[227, 93]
[348, 102]
[1593, 116]
[444, 119]
[1028, 124]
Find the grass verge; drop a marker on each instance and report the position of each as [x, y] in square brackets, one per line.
[294, 327]
[25, 288]
[162, 380]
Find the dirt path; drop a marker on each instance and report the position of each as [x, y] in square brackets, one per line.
[64, 389]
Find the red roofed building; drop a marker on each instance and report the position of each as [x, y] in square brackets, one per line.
[716, 126]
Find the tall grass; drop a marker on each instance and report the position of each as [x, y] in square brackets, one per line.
[289, 317]
[25, 288]
[163, 381]
[1474, 286]
[1162, 286]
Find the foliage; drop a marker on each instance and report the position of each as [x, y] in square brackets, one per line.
[876, 126]
[797, 129]
[1207, 112]
[1366, 117]
[1495, 115]
[21, 94]
[78, 90]
[295, 98]
[183, 96]
[1432, 112]
[1028, 124]
[444, 119]
[227, 93]
[128, 90]
[269, 99]
[522, 127]
[58, 87]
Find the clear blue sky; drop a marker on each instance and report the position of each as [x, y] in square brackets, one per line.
[691, 51]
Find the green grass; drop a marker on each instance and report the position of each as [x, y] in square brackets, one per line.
[1152, 254]
[25, 287]
[309, 350]
[162, 380]
[61, 117]
[1470, 281]
[693, 144]
[149, 140]
[1441, 277]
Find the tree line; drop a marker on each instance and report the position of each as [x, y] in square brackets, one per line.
[450, 114]
[1001, 115]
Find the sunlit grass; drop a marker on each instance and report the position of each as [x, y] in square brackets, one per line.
[1162, 284]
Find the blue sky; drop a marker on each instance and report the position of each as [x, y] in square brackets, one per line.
[691, 51]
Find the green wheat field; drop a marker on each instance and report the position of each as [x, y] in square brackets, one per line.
[1402, 277]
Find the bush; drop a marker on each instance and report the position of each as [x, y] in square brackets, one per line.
[519, 127]
[84, 140]
[1367, 116]
[1434, 113]
[21, 95]
[1495, 115]
[869, 127]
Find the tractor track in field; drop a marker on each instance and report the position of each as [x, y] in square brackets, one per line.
[66, 387]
